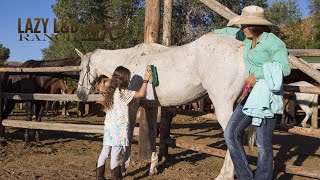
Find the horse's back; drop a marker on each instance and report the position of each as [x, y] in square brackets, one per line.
[220, 65]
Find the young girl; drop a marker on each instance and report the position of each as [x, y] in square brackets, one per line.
[116, 121]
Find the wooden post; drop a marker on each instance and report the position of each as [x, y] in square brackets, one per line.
[165, 119]
[148, 131]
[1, 125]
[314, 118]
[152, 21]
[151, 35]
[167, 17]
[143, 143]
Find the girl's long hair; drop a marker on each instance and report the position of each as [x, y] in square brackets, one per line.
[120, 79]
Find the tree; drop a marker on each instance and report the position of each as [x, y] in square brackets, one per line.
[283, 12]
[286, 16]
[4, 53]
[191, 19]
[314, 8]
[128, 15]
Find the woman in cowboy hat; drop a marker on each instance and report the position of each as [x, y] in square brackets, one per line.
[261, 49]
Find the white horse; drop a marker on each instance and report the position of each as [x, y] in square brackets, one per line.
[304, 100]
[213, 64]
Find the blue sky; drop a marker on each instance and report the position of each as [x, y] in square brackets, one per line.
[11, 10]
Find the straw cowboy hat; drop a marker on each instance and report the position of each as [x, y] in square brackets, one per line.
[250, 15]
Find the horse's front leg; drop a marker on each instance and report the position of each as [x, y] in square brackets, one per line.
[5, 111]
[38, 112]
[29, 112]
[133, 108]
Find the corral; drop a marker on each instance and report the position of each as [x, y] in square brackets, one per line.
[165, 140]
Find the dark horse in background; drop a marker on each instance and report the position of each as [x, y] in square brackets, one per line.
[32, 83]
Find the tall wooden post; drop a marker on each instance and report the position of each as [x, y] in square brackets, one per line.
[152, 21]
[167, 17]
[314, 117]
[2, 131]
[148, 122]
[165, 119]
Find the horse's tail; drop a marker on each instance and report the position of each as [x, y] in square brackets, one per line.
[251, 137]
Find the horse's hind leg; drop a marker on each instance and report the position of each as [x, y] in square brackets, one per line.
[308, 112]
[38, 112]
[5, 111]
[29, 112]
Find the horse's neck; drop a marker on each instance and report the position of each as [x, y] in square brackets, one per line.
[105, 61]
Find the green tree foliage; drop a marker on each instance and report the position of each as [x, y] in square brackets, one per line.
[4, 53]
[191, 19]
[286, 15]
[284, 12]
[314, 8]
[126, 17]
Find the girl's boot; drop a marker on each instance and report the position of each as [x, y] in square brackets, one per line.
[100, 173]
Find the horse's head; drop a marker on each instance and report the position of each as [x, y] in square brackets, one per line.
[87, 76]
[102, 84]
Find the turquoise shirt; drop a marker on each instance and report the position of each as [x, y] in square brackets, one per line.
[269, 48]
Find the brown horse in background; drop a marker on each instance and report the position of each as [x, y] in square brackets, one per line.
[58, 87]
[32, 83]
[90, 108]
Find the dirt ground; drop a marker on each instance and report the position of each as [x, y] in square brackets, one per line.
[67, 155]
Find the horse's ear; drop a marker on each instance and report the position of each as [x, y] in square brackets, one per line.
[79, 53]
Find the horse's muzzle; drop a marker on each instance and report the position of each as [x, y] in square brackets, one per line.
[82, 95]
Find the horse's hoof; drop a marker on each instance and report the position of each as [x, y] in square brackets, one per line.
[307, 126]
[124, 174]
[3, 143]
[39, 144]
[221, 177]
[153, 172]
[26, 145]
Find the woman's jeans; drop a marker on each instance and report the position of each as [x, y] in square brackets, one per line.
[236, 125]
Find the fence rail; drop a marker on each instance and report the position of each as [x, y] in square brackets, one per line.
[81, 128]
[41, 69]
